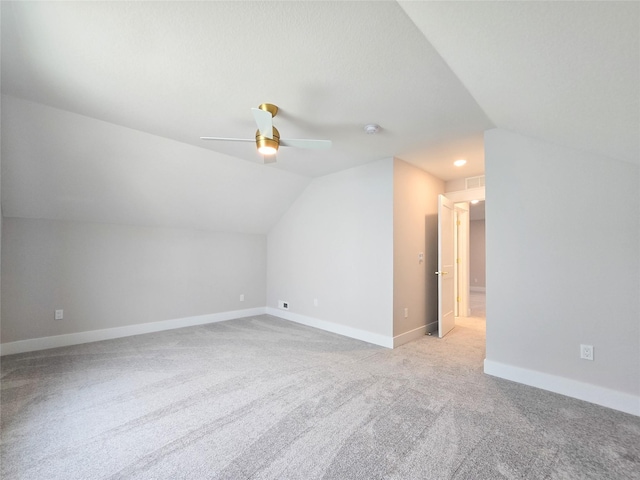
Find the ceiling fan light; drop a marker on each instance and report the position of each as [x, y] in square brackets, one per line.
[267, 150]
[268, 146]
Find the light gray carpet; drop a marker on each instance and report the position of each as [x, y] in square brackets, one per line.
[263, 398]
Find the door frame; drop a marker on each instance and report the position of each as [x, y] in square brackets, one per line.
[462, 196]
[461, 249]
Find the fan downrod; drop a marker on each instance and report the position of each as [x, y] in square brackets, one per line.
[269, 107]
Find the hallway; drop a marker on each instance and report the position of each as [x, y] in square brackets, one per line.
[477, 304]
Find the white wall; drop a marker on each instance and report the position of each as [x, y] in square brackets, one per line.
[563, 269]
[335, 244]
[107, 276]
[415, 230]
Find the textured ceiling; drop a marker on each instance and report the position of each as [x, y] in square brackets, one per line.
[104, 102]
[565, 72]
[182, 70]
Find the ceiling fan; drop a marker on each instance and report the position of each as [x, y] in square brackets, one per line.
[268, 138]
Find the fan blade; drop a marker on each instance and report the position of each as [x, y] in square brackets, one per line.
[304, 143]
[264, 120]
[224, 139]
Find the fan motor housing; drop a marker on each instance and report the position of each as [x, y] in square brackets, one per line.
[268, 145]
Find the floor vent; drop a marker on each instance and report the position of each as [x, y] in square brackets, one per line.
[474, 182]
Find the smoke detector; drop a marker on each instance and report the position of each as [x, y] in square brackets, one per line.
[371, 128]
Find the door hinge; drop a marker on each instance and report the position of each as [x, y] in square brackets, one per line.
[457, 299]
[458, 222]
[457, 260]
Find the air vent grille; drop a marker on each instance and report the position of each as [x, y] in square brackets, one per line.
[474, 182]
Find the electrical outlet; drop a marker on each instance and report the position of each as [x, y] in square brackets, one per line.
[242, 297]
[283, 305]
[59, 315]
[315, 302]
[406, 313]
[586, 352]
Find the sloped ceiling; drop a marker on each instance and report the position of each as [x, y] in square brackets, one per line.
[565, 72]
[64, 166]
[104, 102]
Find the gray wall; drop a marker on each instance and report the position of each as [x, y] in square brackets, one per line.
[415, 230]
[335, 244]
[477, 254]
[456, 185]
[563, 263]
[107, 276]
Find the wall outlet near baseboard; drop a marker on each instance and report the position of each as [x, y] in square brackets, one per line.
[242, 297]
[283, 305]
[586, 352]
[406, 313]
[315, 302]
[59, 315]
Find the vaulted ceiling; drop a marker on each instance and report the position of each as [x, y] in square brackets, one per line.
[104, 102]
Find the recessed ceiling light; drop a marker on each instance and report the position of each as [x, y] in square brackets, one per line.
[474, 201]
[459, 163]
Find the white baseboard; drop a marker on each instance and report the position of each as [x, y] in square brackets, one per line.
[406, 337]
[478, 289]
[44, 343]
[350, 332]
[624, 402]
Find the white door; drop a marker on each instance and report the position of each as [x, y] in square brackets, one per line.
[446, 277]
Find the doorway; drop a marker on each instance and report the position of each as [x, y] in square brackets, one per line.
[469, 206]
[477, 260]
